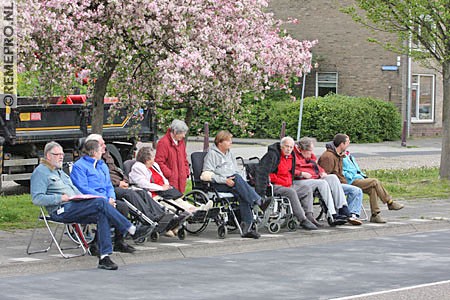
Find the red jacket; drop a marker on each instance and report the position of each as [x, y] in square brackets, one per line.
[283, 176]
[172, 160]
[307, 165]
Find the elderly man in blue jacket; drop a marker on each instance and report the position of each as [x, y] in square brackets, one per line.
[52, 188]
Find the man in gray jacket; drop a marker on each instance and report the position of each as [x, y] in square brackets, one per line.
[221, 169]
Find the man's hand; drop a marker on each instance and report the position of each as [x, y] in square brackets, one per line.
[230, 181]
[165, 187]
[112, 202]
[64, 198]
[123, 184]
[306, 175]
[323, 174]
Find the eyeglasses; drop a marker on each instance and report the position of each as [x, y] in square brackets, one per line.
[57, 154]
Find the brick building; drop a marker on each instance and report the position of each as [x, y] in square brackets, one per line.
[351, 65]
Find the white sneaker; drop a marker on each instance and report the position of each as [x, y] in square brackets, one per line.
[206, 206]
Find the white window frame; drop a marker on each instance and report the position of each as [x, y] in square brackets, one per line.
[417, 102]
[318, 82]
[415, 44]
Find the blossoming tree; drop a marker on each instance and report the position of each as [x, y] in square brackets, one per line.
[170, 53]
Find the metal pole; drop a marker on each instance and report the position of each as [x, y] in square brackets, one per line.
[408, 97]
[301, 108]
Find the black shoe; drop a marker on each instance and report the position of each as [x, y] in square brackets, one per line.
[345, 211]
[143, 231]
[248, 231]
[121, 246]
[252, 235]
[107, 264]
[265, 203]
[338, 222]
[93, 249]
[340, 217]
[308, 225]
[179, 220]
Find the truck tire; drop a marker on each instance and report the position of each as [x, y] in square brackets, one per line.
[24, 183]
[115, 153]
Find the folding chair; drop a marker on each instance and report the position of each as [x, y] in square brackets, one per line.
[76, 234]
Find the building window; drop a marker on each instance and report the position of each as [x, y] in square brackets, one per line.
[326, 83]
[423, 28]
[422, 98]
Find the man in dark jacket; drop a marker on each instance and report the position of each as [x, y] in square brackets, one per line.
[279, 164]
[331, 162]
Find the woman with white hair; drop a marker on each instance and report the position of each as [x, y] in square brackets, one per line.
[146, 174]
[171, 155]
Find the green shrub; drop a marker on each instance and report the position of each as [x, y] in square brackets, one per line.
[363, 119]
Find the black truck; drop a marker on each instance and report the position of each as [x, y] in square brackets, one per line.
[25, 130]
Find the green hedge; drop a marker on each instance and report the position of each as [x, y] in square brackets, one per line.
[365, 120]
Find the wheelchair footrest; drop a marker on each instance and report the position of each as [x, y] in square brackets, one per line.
[213, 213]
[199, 216]
[164, 222]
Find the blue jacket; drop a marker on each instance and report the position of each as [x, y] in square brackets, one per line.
[351, 169]
[48, 184]
[92, 180]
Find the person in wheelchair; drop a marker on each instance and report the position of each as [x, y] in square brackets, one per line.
[91, 176]
[146, 174]
[220, 168]
[278, 164]
[137, 197]
[51, 187]
[308, 172]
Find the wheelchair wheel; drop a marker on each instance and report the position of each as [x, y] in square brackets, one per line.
[87, 229]
[330, 222]
[140, 241]
[292, 225]
[222, 231]
[273, 227]
[154, 236]
[181, 234]
[196, 197]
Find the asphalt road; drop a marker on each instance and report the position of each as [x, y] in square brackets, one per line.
[390, 267]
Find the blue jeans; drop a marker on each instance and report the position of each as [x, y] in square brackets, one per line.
[246, 195]
[97, 211]
[354, 198]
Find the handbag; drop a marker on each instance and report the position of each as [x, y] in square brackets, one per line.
[172, 193]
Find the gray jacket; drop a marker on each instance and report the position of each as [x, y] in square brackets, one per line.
[48, 184]
[222, 165]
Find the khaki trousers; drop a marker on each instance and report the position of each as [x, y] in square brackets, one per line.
[375, 190]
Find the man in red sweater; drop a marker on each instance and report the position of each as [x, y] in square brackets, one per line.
[279, 164]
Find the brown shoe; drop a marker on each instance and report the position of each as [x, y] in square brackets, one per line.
[354, 220]
[377, 219]
[395, 206]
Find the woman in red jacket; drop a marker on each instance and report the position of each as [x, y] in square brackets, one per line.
[171, 155]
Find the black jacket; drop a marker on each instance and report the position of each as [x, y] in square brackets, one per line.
[269, 164]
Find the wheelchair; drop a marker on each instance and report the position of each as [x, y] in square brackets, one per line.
[225, 213]
[198, 221]
[279, 213]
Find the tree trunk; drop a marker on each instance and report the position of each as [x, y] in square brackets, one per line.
[98, 99]
[444, 171]
[189, 116]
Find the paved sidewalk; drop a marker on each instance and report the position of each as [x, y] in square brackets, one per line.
[417, 216]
